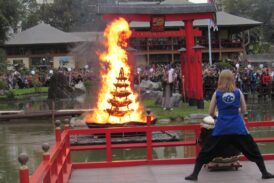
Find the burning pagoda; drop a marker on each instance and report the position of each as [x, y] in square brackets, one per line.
[117, 102]
[120, 97]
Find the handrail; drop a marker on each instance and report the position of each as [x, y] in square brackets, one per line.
[57, 166]
[56, 163]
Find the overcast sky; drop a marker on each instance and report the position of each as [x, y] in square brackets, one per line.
[199, 1]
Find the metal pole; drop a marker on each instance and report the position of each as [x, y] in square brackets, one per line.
[209, 43]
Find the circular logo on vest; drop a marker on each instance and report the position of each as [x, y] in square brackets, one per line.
[228, 98]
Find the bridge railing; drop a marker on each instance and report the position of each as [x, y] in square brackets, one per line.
[56, 165]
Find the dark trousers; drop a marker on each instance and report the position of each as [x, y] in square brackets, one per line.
[215, 145]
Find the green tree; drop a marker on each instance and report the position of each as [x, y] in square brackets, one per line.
[262, 11]
[67, 15]
[30, 13]
[3, 65]
[59, 14]
[9, 16]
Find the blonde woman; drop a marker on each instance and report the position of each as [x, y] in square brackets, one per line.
[229, 128]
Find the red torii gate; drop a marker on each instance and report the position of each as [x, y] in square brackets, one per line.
[191, 56]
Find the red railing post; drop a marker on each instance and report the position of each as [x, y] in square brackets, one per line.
[66, 122]
[24, 170]
[66, 147]
[58, 131]
[54, 167]
[148, 118]
[108, 144]
[67, 143]
[149, 136]
[46, 159]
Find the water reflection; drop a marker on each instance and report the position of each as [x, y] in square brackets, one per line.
[28, 136]
[259, 109]
[41, 103]
[21, 137]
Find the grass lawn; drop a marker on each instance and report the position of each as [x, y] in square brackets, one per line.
[182, 111]
[25, 91]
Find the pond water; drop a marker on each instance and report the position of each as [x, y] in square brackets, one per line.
[28, 136]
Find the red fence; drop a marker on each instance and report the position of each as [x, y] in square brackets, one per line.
[57, 166]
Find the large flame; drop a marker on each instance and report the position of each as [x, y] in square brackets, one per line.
[116, 36]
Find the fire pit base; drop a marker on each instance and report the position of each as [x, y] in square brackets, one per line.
[130, 123]
[120, 135]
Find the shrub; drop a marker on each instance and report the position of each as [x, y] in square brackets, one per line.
[88, 84]
[37, 86]
[224, 65]
[3, 85]
[10, 94]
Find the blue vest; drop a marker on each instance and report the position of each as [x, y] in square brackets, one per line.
[229, 121]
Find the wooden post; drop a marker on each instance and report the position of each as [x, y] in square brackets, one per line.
[190, 59]
[108, 143]
[199, 77]
[148, 117]
[24, 170]
[58, 131]
[67, 143]
[46, 159]
[68, 149]
[149, 136]
[66, 122]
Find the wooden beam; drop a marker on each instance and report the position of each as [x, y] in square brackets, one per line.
[175, 33]
[169, 17]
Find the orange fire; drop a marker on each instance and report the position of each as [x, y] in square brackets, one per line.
[113, 60]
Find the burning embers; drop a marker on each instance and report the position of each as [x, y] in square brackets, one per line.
[117, 103]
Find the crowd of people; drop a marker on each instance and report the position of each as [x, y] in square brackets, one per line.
[30, 79]
[248, 79]
[157, 73]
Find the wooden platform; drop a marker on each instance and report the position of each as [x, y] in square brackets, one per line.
[249, 173]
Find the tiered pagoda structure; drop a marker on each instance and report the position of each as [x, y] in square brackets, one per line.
[120, 102]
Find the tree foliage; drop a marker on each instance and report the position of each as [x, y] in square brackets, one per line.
[9, 16]
[30, 13]
[67, 15]
[3, 64]
[262, 11]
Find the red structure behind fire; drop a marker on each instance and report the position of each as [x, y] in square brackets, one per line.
[191, 55]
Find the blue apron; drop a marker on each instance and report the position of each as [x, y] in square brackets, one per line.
[229, 121]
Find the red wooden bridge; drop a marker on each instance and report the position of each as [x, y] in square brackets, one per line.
[57, 167]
